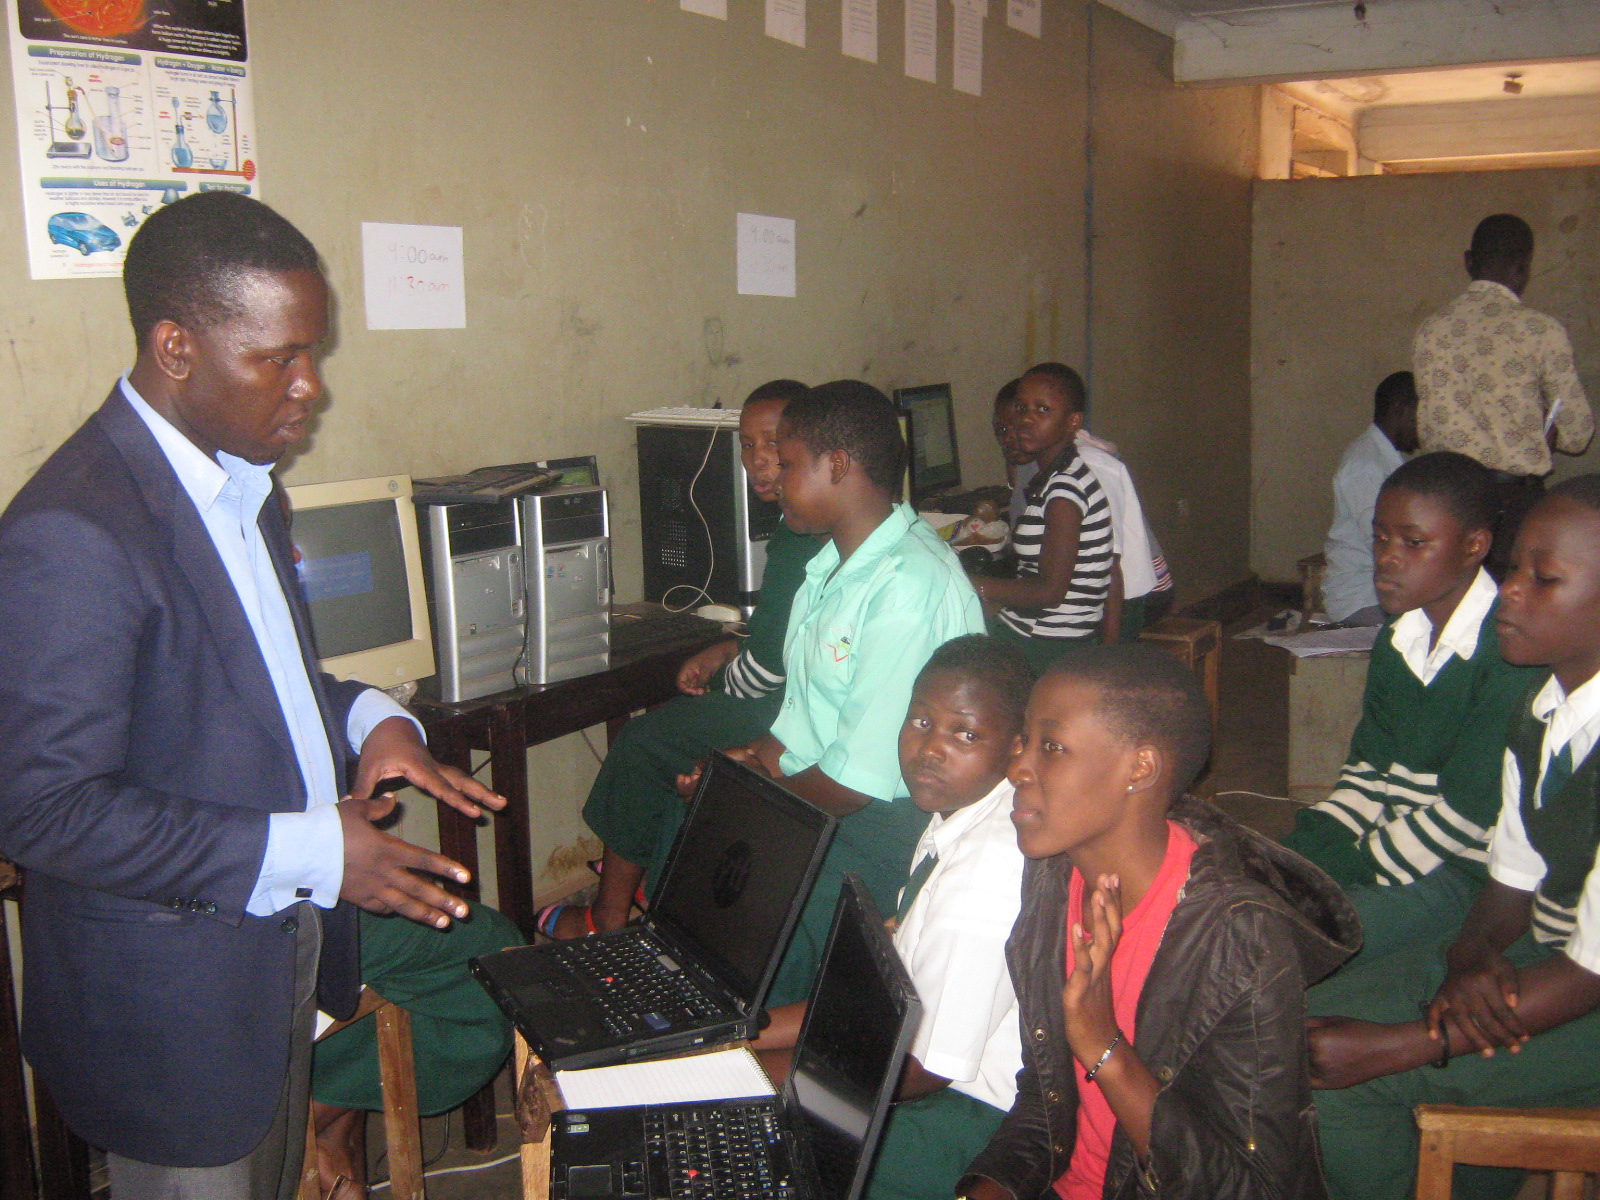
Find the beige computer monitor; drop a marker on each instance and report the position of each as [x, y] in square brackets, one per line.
[360, 567]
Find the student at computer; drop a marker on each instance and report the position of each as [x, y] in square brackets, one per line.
[1062, 539]
[955, 914]
[876, 602]
[731, 693]
[1160, 959]
[1405, 831]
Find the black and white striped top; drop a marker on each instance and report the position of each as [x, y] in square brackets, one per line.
[1080, 611]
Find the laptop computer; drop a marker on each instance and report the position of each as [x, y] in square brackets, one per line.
[696, 970]
[813, 1141]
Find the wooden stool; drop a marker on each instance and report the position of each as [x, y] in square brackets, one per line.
[402, 1128]
[1312, 568]
[537, 1100]
[1563, 1141]
[1198, 646]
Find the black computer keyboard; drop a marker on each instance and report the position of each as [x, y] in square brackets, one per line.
[730, 1153]
[631, 634]
[637, 991]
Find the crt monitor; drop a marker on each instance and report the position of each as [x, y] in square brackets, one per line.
[360, 569]
[931, 439]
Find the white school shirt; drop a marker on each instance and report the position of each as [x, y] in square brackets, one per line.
[953, 944]
[1513, 861]
[1458, 638]
[1347, 580]
[1128, 536]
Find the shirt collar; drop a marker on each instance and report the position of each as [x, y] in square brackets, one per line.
[1386, 450]
[946, 829]
[202, 477]
[893, 527]
[1488, 287]
[1460, 633]
[1553, 705]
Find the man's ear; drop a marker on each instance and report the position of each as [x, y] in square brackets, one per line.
[839, 462]
[1148, 762]
[173, 349]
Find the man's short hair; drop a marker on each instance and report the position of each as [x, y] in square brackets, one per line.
[1504, 239]
[854, 417]
[1067, 382]
[1007, 392]
[776, 389]
[1149, 698]
[186, 260]
[1395, 393]
[1581, 489]
[1463, 485]
[998, 667]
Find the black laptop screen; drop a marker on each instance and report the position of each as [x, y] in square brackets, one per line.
[740, 860]
[846, 1050]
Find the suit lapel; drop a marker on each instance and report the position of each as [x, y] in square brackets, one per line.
[197, 560]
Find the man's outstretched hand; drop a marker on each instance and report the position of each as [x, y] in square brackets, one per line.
[395, 750]
[383, 874]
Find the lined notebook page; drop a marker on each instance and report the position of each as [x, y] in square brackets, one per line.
[726, 1075]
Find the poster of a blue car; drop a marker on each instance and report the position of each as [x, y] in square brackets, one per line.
[82, 232]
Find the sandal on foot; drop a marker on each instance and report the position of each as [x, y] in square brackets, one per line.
[550, 915]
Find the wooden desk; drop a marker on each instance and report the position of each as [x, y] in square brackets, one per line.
[507, 723]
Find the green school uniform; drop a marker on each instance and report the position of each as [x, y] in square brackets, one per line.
[633, 806]
[1405, 831]
[860, 632]
[458, 1035]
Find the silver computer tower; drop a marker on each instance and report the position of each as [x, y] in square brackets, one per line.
[566, 536]
[477, 595]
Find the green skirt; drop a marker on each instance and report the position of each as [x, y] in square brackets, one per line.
[1039, 651]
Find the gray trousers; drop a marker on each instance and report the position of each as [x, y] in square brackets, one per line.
[272, 1170]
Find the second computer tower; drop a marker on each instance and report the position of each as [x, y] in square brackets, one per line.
[566, 542]
[723, 546]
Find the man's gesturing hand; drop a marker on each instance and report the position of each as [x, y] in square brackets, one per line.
[395, 750]
[381, 871]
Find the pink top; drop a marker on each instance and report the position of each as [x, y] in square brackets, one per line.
[1142, 929]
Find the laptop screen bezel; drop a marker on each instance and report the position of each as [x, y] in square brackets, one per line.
[692, 947]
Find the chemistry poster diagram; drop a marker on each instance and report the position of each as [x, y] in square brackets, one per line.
[123, 106]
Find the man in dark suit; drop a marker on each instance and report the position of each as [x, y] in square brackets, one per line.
[173, 767]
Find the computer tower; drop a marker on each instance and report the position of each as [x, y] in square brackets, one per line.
[726, 538]
[477, 596]
[566, 535]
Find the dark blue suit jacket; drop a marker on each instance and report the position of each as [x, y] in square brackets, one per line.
[141, 751]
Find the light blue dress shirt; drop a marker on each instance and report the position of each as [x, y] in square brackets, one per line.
[304, 849]
[1347, 580]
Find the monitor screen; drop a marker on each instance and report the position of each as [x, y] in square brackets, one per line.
[935, 465]
[360, 568]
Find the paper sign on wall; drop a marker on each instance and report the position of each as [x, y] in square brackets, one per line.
[765, 258]
[706, 8]
[922, 39]
[414, 276]
[966, 55]
[786, 21]
[118, 115]
[1025, 15]
[859, 29]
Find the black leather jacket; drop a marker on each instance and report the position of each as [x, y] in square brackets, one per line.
[1221, 1026]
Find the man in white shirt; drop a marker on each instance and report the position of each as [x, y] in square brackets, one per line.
[1369, 460]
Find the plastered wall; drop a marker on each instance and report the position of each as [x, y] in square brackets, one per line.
[1343, 272]
[595, 153]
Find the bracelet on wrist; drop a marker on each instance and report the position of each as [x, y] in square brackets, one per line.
[1443, 1060]
[1095, 1070]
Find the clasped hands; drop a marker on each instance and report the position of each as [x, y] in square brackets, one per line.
[382, 873]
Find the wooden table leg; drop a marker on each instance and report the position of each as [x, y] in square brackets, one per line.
[16, 1143]
[508, 760]
[458, 836]
[63, 1157]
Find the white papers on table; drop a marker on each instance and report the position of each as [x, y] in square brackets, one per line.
[922, 40]
[413, 276]
[706, 8]
[1319, 642]
[786, 21]
[1024, 15]
[765, 257]
[966, 56]
[858, 32]
[724, 1075]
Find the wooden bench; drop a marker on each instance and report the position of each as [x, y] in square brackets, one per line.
[1563, 1141]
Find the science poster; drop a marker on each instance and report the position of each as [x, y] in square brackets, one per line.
[123, 106]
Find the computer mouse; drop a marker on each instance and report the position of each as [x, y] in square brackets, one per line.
[725, 613]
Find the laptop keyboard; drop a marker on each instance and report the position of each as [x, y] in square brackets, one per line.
[636, 990]
[726, 1153]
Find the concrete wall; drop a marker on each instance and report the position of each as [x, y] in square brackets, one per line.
[596, 154]
[1343, 271]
